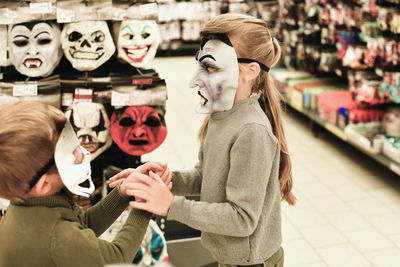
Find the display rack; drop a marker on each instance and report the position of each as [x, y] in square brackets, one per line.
[338, 132]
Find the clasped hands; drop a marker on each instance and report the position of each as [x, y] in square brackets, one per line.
[150, 184]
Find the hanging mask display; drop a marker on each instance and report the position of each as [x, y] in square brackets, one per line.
[87, 44]
[153, 249]
[138, 41]
[35, 48]
[73, 175]
[217, 77]
[92, 126]
[138, 130]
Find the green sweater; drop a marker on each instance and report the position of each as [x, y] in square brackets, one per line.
[53, 231]
[239, 211]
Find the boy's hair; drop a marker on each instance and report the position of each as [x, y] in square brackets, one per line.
[29, 131]
[257, 43]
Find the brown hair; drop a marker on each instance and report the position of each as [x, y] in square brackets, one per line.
[29, 131]
[256, 42]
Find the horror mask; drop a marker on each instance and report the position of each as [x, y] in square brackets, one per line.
[87, 44]
[138, 41]
[91, 124]
[137, 130]
[76, 177]
[153, 249]
[217, 77]
[35, 48]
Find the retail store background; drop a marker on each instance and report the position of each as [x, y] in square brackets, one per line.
[349, 205]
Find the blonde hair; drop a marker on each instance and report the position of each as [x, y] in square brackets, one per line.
[29, 131]
[256, 42]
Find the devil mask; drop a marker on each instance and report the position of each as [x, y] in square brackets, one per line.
[153, 249]
[138, 41]
[92, 126]
[87, 44]
[35, 48]
[138, 129]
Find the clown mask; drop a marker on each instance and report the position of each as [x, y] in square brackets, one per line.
[35, 48]
[153, 249]
[217, 77]
[137, 129]
[87, 44]
[138, 41]
[91, 124]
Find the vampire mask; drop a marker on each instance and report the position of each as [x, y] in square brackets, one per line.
[87, 44]
[35, 48]
[138, 41]
[153, 249]
[137, 130]
[217, 77]
[92, 126]
[74, 176]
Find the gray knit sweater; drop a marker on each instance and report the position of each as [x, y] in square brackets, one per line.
[239, 210]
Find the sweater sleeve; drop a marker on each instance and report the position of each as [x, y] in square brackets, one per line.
[188, 182]
[105, 212]
[251, 160]
[73, 246]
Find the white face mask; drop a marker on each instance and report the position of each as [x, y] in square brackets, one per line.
[138, 41]
[35, 49]
[87, 44]
[217, 78]
[73, 174]
[92, 126]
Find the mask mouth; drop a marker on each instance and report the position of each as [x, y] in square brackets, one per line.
[91, 146]
[138, 53]
[32, 63]
[85, 55]
[202, 98]
[138, 142]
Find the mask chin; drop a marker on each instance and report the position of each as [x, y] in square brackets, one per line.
[76, 177]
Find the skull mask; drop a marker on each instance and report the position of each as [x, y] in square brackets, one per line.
[137, 129]
[91, 124]
[87, 44]
[35, 48]
[138, 41]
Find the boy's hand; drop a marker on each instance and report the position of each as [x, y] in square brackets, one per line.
[152, 195]
[160, 169]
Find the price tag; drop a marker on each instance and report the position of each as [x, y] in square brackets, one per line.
[67, 99]
[149, 9]
[25, 89]
[83, 95]
[140, 97]
[40, 8]
[119, 99]
[65, 15]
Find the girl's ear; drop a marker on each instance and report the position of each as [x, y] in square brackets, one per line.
[252, 71]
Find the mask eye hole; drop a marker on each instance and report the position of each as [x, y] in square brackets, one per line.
[98, 36]
[21, 42]
[44, 41]
[128, 36]
[138, 257]
[145, 35]
[74, 36]
[152, 121]
[211, 69]
[126, 122]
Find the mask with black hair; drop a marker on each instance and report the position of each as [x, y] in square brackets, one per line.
[35, 48]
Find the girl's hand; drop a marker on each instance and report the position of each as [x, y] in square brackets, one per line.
[144, 169]
[152, 195]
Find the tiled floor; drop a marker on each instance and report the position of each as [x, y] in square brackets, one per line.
[348, 212]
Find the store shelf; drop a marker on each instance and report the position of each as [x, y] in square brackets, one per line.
[338, 132]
